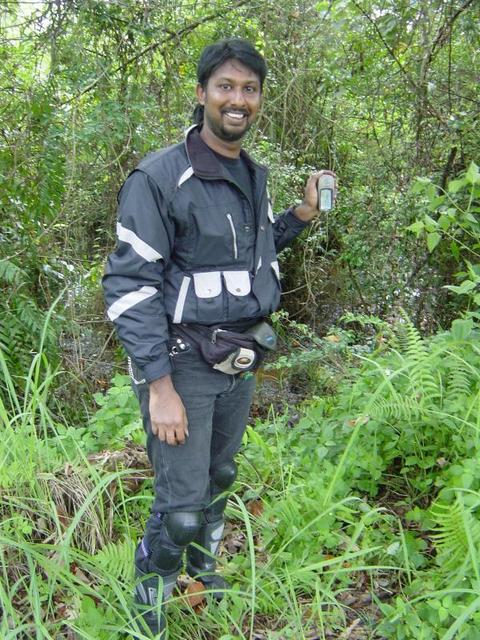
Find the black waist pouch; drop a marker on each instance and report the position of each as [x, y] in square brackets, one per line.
[226, 351]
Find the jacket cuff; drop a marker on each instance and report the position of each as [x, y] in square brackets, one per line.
[157, 369]
[293, 222]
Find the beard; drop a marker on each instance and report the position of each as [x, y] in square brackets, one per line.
[219, 130]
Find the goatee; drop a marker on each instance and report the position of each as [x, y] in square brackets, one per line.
[223, 134]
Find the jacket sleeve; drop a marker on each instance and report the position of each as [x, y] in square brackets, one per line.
[134, 275]
[286, 228]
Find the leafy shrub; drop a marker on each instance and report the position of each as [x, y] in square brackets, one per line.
[116, 420]
[22, 322]
[452, 231]
[407, 420]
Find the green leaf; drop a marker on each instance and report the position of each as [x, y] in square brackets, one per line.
[470, 217]
[442, 614]
[432, 240]
[474, 271]
[420, 185]
[430, 223]
[444, 222]
[393, 548]
[431, 192]
[436, 202]
[455, 185]
[461, 329]
[467, 480]
[473, 174]
[465, 287]
[417, 227]
[99, 398]
[455, 250]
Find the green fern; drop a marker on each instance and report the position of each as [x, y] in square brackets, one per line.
[421, 366]
[116, 560]
[11, 274]
[21, 320]
[12, 337]
[397, 407]
[459, 379]
[456, 536]
[407, 339]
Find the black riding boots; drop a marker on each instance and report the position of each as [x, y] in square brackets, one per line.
[201, 561]
[158, 561]
[147, 603]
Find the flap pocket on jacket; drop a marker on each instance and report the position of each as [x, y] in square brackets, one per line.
[237, 282]
[276, 269]
[207, 284]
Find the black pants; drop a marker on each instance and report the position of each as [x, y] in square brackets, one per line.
[217, 406]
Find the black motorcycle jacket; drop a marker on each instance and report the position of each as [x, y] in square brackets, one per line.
[191, 248]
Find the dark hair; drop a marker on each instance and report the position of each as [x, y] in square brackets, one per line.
[214, 55]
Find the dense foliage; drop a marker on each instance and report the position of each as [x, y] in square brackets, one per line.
[379, 91]
[362, 503]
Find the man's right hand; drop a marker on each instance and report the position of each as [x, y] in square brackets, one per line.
[167, 413]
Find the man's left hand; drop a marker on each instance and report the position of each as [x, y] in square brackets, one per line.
[309, 207]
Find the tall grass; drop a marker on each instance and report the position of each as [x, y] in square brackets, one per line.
[315, 541]
[68, 532]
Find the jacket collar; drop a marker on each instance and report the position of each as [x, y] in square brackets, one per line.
[205, 163]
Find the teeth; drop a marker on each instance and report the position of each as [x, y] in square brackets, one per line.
[237, 116]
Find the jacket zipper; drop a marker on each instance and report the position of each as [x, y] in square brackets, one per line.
[234, 235]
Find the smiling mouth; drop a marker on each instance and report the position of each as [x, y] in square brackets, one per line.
[237, 116]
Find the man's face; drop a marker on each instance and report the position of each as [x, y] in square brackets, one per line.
[231, 99]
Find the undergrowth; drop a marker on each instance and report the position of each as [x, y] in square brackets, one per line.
[364, 513]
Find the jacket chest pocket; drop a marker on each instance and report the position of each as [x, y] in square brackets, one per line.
[218, 235]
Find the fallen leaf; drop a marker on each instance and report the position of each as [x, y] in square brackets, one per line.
[195, 595]
[347, 599]
[66, 611]
[255, 507]
[78, 573]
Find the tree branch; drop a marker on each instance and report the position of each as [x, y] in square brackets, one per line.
[155, 45]
[391, 52]
[445, 29]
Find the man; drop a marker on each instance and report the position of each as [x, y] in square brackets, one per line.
[197, 250]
